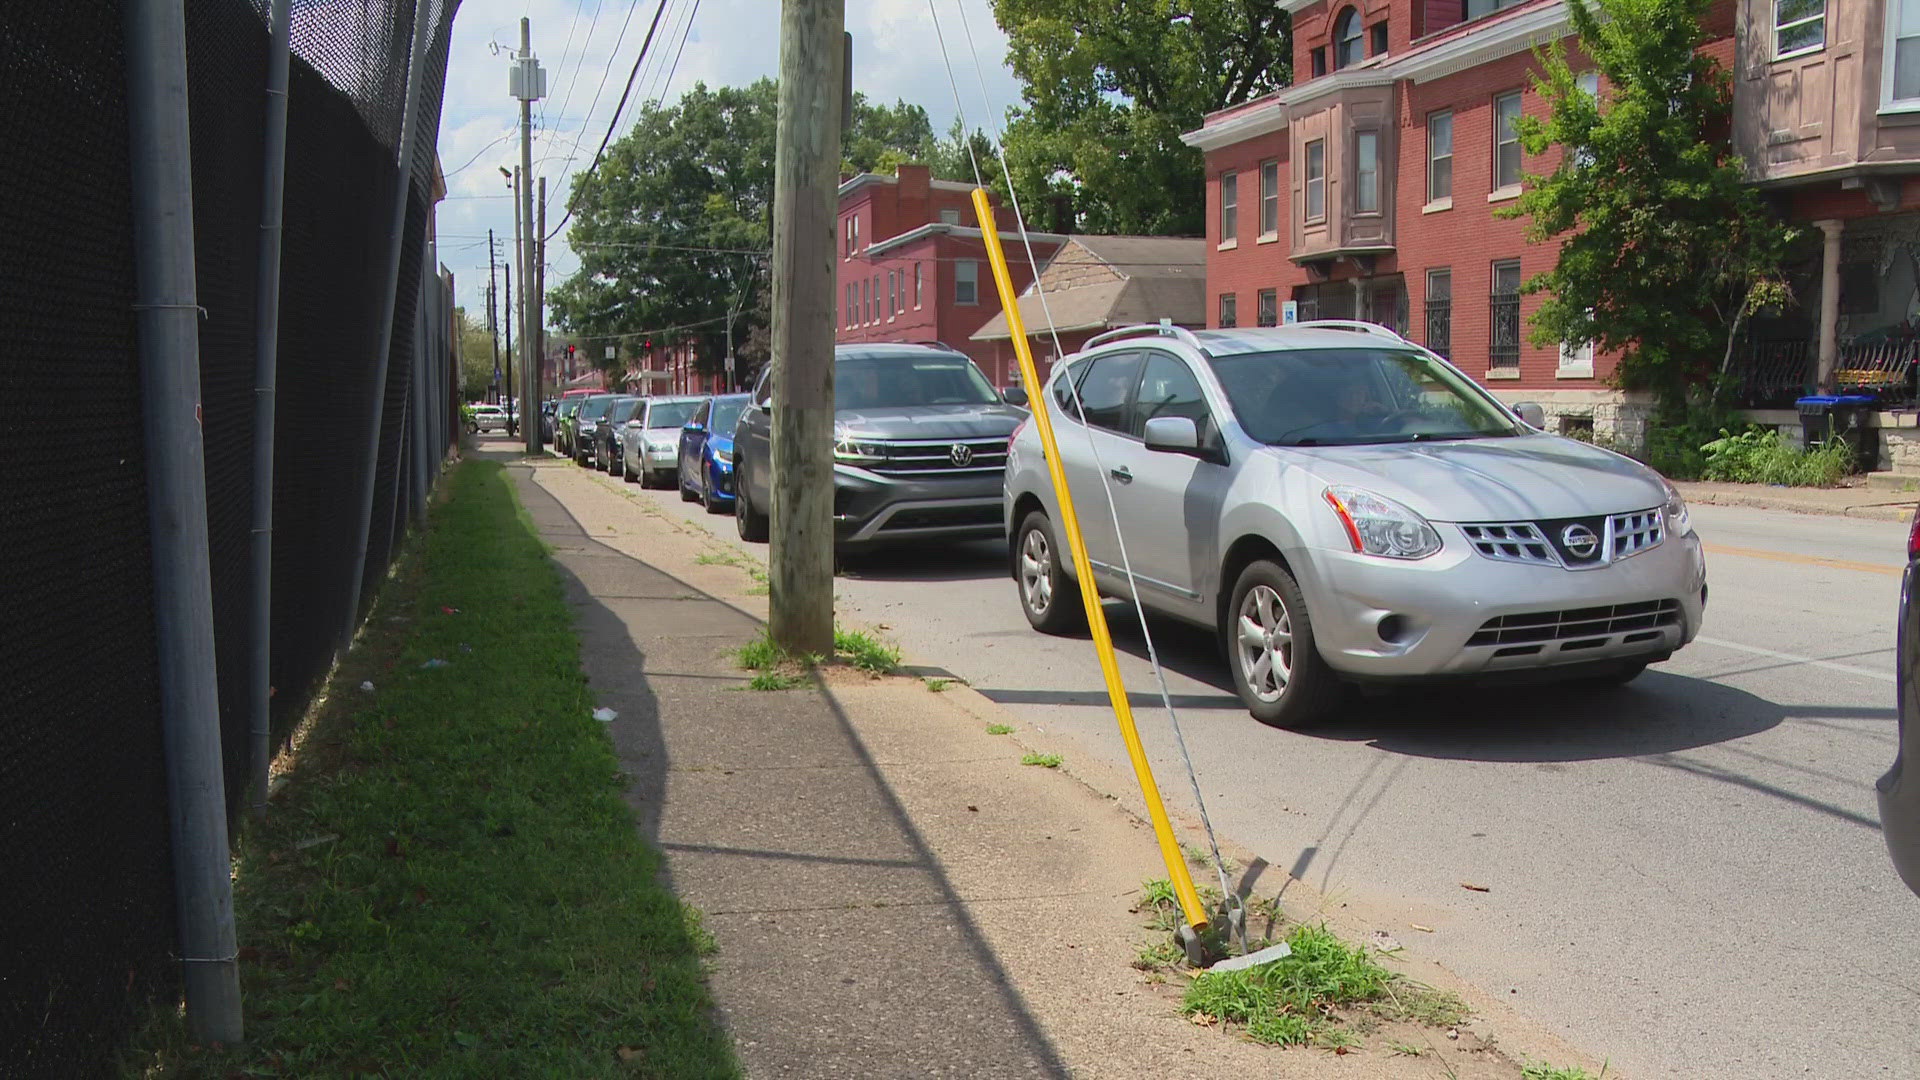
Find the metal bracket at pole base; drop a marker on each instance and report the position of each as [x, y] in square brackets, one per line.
[1189, 940]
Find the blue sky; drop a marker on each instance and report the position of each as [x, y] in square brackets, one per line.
[727, 42]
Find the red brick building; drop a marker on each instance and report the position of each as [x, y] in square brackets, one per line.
[913, 265]
[1370, 190]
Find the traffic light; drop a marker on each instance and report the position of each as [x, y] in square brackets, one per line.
[569, 352]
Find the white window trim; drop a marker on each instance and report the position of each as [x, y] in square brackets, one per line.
[1227, 242]
[1891, 16]
[1379, 183]
[1805, 50]
[1268, 236]
[919, 290]
[1507, 191]
[1307, 181]
[1434, 201]
[1575, 363]
[1438, 205]
[975, 264]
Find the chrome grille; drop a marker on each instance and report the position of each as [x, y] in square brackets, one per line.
[1514, 542]
[1631, 534]
[1539, 543]
[934, 457]
[1576, 623]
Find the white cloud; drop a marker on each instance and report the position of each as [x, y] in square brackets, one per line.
[730, 42]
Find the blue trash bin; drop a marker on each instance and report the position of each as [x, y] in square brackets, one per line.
[1824, 417]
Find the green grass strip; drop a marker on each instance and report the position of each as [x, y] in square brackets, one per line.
[451, 885]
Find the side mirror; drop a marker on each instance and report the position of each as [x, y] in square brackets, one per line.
[1173, 435]
[1531, 414]
[1014, 395]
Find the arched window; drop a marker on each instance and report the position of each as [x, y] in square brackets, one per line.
[1346, 38]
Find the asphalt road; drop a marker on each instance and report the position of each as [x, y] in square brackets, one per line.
[1685, 876]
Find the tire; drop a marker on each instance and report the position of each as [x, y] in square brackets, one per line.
[711, 504]
[749, 522]
[1048, 595]
[1266, 596]
[629, 475]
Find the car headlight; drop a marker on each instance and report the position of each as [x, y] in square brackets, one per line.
[1679, 522]
[724, 457]
[1377, 525]
[855, 452]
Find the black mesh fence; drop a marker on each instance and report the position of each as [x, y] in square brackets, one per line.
[88, 937]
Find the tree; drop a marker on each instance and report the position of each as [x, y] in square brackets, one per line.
[1666, 250]
[1109, 87]
[476, 354]
[674, 227]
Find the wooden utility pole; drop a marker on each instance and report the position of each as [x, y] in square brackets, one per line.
[540, 298]
[806, 174]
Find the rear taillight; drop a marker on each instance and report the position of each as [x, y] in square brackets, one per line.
[1913, 537]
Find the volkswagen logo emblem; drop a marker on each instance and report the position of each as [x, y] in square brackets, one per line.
[961, 455]
[1580, 541]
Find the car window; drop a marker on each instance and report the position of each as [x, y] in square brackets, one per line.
[666, 414]
[763, 390]
[1108, 388]
[1063, 389]
[726, 415]
[885, 382]
[1168, 388]
[624, 411]
[1353, 396]
[700, 415]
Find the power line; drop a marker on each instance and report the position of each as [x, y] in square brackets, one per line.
[615, 122]
[568, 47]
[685, 32]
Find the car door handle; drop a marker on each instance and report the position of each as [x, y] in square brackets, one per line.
[1122, 474]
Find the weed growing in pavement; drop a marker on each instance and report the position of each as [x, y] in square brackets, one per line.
[773, 680]
[938, 686]
[999, 729]
[1400, 1049]
[1536, 1070]
[1199, 857]
[760, 654]
[483, 904]
[1045, 761]
[711, 558]
[1423, 1005]
[866, 652]
[1289, 1001]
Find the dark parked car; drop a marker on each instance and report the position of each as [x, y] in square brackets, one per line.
[920, 448]
[606, 437]
[585, 423]
[1900, 788]
[706, 453]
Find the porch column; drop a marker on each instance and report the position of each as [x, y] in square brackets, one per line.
[1829, 304]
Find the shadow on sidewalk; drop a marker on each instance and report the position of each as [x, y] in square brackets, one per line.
[844, 949]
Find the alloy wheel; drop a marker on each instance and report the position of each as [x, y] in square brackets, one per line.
[1264, 636]
[1036, 571]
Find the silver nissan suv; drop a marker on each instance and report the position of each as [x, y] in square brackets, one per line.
[1342, 506]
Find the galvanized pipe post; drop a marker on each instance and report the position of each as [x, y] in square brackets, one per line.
[167, 314]
[404, 155]
[266, 363]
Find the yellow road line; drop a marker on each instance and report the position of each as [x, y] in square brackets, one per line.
[1804, 560]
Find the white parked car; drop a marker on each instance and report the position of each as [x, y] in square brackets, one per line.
[1342, 506]
[487, 418]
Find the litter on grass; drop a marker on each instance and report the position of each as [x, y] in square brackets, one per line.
[367, 686]
[436, 663]
[605, 715]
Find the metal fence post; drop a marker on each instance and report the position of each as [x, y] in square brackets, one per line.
[266, 368]
[403, 182]
[168, 317]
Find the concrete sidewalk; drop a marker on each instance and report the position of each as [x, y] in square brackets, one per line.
[892, 893]
[1875, 500]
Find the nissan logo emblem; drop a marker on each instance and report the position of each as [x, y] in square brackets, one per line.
[1580, 541]
[961, 455]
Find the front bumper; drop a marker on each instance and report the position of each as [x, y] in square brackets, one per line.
[720, 481]
[661, 460]
[871, 508]
[1459, 613]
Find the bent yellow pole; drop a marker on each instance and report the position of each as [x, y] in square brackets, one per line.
[1089, 595]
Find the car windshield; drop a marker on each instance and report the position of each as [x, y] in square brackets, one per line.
[885, 382]
[1351, 397]
[726, 415]
[670, 413]
[596, 408]
[624, 411]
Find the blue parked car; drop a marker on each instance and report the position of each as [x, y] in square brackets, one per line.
[706, 452]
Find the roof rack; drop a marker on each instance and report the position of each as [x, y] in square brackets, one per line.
[933, 345]
[1353, 325]
[1179, 333]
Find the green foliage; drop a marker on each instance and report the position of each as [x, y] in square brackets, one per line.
[1679, 428]
[1757, 456]
[1286, 1001]
[760, 654]
[999, 729]
[451, 884]
[1108, 90]
[674, 227]
[866, 652]
[937, 686]
[476, 353]
[1667, 250]
[1538, 1070]
[1045, 761]
[773, 680]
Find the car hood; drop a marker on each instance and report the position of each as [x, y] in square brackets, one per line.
[929, 422]
[719, 441]
[1527, 477]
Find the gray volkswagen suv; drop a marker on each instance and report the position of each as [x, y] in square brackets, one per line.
[1342, 506]
[920, 446]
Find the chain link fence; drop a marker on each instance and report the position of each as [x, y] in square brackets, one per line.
[89, 936]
